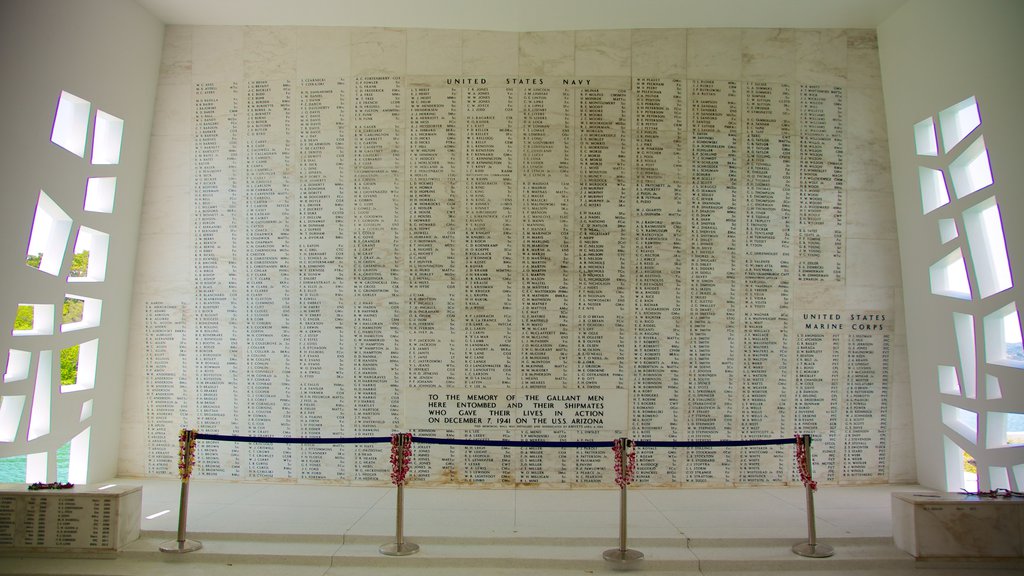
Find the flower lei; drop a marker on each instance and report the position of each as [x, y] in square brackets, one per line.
[401, 454]
[186, 453]
[802, 464]
[624, 477]
[51, 486]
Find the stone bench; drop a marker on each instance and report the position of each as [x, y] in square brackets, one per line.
[949, 525]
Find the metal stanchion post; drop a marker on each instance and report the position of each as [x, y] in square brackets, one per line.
[812, 548]
[623, 554]
[401, 448]
[186, 454]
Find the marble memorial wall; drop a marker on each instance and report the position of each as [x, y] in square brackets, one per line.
[663, 234]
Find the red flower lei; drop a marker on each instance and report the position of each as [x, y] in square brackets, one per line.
[401, 454]
[801, 462]
[624, 477]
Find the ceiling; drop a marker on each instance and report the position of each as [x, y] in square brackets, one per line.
[529, 15]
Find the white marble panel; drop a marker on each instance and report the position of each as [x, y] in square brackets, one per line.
[714, 54]
[815, 295]
[434, 52]
[866, 109]
[546, 53]
[870, 214]
[487, 52]
[902, 466]
[170, 161]
[172, 111]
[868, 166]
[769, 55]
[217, 53]
[658, 53]
[160, 261]
[821, 57]
[270, 52]
[870, 298]
[862, 66]
[378, 51]
[602, 52]
[872, 262]
[167, 211]
[323, 52]
[176, 57]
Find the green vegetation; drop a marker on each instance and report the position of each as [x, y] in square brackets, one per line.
[80, 264]
[69, 366]
[25, 318]
[34, 261]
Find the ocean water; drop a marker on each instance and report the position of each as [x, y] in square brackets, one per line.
[13, 469]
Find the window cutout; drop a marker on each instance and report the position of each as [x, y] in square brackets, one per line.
[86, 411]
[11, 408]
[1004, 429]
[934, 193]
[949, 277]
[99, 194]
[984, 229]
[90, 261]
[39, 420]
[948, 382]
[71, 124]
[924, 138]
[971, 171]
[17, 364]
[963, 422]
[947, 230]
[80, 312]
[993, 391]
[963, 327]
[998, 478]
[106, 142]
[63, 456]
[12, 469]
[1018, 475]
[35, 468]
[78, 458]
[78, 366]
[1003, 337]
[958, 121]
[33, 320]
[51, 228]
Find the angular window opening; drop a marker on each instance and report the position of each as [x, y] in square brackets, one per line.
[33, 320]
[78, 458]
[947, 230]
[924, 138]
[1003, 337]
[958, 121]
[948, 381]
[993, 391]
[99, 194]
[934, 193]
[17, 364]
[39, 419]
[1004, 429]
[51, 228]
[949, 277]
[12, 469]
[36, 468]
[1018, 475]
[71, 124]
[971, 171]
[984, 229]
[961, 470]
[63, 456]
[106, 142]
[11, 409]
[86, 411]
[80, 312]
[963, 422]
[998, 478]
[78, 366]
[963, 327]
[90, 261]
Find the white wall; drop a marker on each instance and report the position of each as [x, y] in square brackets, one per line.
[107, 52]
[936, 53]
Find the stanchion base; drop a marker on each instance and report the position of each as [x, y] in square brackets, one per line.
[399, 549]
[809, 550]
[621, 556]
[181, 546]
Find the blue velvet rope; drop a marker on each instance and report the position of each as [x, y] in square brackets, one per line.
[505, 443]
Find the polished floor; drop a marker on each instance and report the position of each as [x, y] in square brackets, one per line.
[273, 528]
